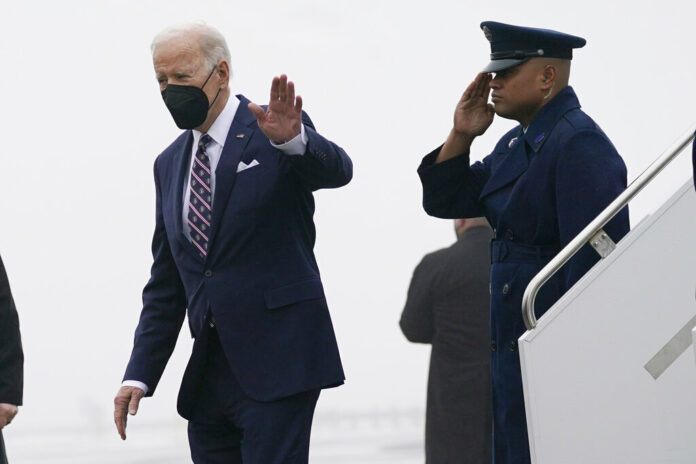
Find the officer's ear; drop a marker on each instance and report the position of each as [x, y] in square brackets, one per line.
[548, 77]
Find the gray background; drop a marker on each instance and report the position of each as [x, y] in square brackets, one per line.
[82, 121]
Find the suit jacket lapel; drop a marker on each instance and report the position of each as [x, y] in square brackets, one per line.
[237, 139]
[508, 169]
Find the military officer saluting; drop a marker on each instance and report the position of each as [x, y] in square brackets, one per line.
[544, 181]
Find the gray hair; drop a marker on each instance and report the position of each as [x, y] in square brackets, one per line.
[211, 41]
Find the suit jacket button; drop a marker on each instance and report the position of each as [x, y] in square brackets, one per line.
[506, 289]
[509, 235]
[513, 345]
[208, 273]
[493, 346]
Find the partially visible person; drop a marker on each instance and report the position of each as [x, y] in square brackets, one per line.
[448, 307]
[693, 157]
[11, 359]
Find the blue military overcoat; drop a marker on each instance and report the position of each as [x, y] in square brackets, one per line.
[538, 188]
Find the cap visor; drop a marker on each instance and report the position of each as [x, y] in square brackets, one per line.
[499, 65]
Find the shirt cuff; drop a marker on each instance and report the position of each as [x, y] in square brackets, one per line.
[296, 146]
[135, 383]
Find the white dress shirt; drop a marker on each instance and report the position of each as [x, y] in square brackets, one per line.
[218, 132]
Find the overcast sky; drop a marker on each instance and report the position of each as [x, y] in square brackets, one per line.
[82, 121]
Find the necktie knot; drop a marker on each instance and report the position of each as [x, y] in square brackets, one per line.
[204, 142]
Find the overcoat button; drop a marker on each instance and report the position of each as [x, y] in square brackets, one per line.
[208, 273]
[509, 235]
[506, 289]
[513, 345]
[493, 346]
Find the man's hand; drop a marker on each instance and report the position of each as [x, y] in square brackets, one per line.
[7, 413]
[126, 402]
[282, 121]
[472, 117]
[474, 114]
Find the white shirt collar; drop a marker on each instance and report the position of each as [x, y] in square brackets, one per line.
[221, 126]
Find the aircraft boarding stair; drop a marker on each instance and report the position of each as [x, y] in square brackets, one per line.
[609, 372]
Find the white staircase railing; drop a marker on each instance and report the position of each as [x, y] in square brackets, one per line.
[593, 233]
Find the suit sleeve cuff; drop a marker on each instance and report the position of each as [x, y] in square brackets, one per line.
[135, 383]
[295, 146]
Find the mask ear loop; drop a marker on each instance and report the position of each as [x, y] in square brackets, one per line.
[206, 81]
[209, 76]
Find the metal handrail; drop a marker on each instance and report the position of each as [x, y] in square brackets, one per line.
[595, 226]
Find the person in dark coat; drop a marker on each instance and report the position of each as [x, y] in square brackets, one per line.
[11, 359]
[544, 181]
[447, 306]
[693, 157]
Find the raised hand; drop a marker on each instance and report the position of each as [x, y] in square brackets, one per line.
[282, 121]
[7, 413]
[474, 114]
[472, 117]
[126, 402]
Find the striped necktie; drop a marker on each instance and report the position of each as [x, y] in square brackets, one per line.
[200, 202]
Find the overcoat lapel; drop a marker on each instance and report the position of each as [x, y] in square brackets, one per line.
[508, 169]
[237, 139]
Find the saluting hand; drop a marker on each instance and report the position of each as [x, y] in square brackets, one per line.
[7, 413]
[474, 114]
[126, 402]
[472, 117]
[282, 120]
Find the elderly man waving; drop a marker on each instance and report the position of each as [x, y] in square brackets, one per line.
[233, 250]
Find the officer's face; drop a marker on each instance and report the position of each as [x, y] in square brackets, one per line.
[516, 92]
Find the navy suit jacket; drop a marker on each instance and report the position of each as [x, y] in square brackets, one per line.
[260, 280]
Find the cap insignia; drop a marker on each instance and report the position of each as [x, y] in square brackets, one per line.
[487, 32]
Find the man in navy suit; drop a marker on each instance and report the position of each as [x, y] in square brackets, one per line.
[11, 359]
[233, 249]
[544, 181]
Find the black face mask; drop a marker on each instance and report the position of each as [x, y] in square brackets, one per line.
[188, 104]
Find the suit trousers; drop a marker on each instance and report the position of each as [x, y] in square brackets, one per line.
[3, 455]
[226, 426]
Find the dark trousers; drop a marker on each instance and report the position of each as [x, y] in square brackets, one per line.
[3, 456]
[228, 427]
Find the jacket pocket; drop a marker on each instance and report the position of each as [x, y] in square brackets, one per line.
[293, 293]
